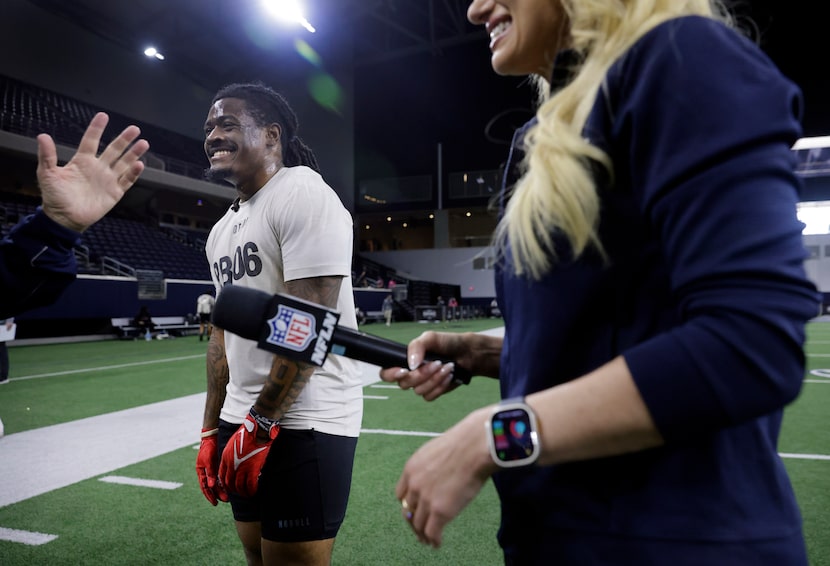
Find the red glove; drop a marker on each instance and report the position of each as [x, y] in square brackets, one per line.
[244, 456]
[206, 464]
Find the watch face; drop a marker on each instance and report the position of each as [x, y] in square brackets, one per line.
[513, 436]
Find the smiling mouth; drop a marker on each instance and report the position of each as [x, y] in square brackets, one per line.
[499, 30]
[220, 154]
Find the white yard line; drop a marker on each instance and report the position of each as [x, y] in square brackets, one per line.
[37, 461]
[104, 368]
[30, 538]
[139, 482]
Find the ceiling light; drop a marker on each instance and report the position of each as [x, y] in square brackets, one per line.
[153, 52]
[288, 10]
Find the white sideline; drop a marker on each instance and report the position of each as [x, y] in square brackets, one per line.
[38, 461]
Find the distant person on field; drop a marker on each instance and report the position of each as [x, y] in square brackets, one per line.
[4, 353]
[144, 321]
[452, 304]
[204, 306]
[388, 305]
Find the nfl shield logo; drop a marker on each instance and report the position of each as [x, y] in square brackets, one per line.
[292, 329]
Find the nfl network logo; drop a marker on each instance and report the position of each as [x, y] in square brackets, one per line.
[292, 329]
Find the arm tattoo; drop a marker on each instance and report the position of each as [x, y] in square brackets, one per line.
[320, 290]
[217, 378]
[285, 383]
[288, 378]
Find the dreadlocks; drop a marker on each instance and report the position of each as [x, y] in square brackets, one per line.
[267, 106]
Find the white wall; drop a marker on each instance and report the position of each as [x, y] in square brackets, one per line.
[818, 265]
[447, 265]
[455, 266]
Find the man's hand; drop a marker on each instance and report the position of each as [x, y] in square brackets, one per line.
[81, 192]
[207, 463]
[243, 458]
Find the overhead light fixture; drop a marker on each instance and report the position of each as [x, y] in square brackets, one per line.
[288, 10]
[152, 52]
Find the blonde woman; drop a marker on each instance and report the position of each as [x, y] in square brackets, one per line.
[653, 294]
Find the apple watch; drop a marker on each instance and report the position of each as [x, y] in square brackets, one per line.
[512, 434]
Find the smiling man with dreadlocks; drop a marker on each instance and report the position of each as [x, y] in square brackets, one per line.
[278, 437]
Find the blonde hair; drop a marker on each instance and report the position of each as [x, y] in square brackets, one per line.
[557, 192]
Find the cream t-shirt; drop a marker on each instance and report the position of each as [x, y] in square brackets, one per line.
[294, 227]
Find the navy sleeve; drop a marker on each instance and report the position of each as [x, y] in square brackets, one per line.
[36, 264]
[708, 123]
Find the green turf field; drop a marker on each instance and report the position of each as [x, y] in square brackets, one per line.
[102, 524]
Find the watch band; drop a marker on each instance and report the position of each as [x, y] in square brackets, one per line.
[263, 422]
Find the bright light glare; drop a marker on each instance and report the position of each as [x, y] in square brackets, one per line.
[288, 10]
[153, 52]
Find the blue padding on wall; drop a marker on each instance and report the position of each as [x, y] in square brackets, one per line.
[116, 297]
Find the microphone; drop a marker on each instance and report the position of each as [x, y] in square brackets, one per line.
[305, 331]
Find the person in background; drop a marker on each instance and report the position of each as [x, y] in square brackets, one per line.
[278, 436]
[387, 307]
[452, 305]
[494, 309]
[8, 324]
[653, 335]
[442, 308]
[36, 259]
[144, 321]
[204, 307]
[360, 315]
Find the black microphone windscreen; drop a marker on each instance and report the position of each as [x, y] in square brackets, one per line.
[241, 310]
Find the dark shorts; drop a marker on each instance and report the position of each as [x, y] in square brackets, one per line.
[204, 317]
[304, 485]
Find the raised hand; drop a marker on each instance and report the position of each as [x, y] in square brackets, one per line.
[81, 192]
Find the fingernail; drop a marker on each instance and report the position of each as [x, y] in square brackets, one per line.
[436, 365]
[401, 373]
[446, 381]
[412, 364]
